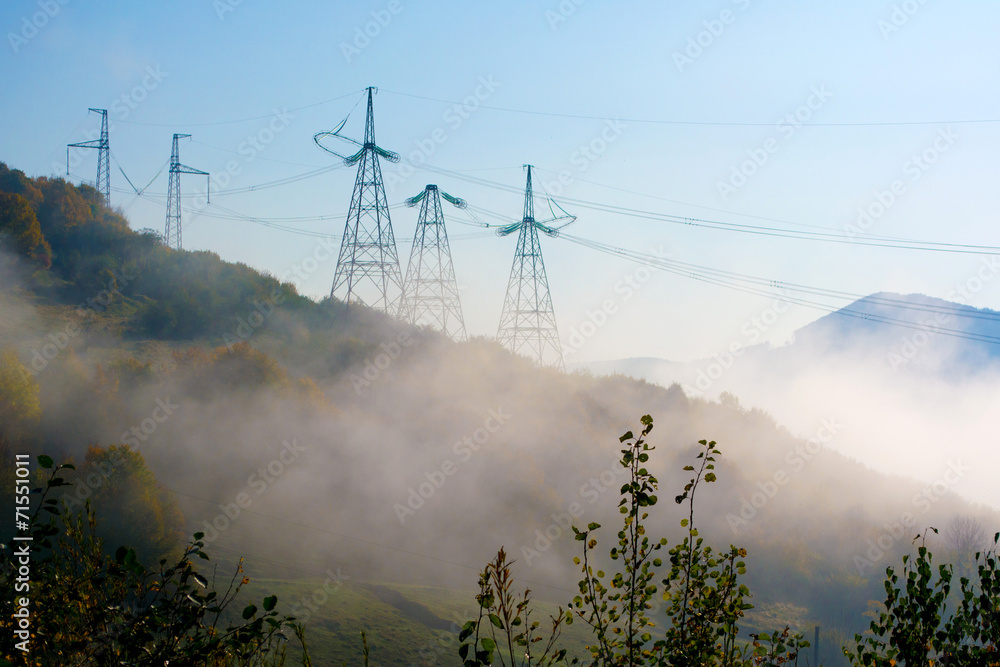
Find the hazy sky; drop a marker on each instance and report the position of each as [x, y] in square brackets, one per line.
[253, 81]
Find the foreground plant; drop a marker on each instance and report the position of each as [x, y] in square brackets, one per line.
[700, 594]
[90, 609]
[504, 630]
[917, 627]
[704, 599]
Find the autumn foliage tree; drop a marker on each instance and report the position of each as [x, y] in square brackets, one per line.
[20, 407]
[19, 223]
[119, 485]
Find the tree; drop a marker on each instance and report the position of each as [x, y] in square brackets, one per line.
[15, 182]
[137, 513]
[965, 537]
[704, 597]
[61, 212]
[19, 222]
[917, 627]
[20, 407]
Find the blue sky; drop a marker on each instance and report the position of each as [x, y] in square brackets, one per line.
[231, 73]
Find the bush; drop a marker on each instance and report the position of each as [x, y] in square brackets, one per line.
[89, 609]
[703, 597]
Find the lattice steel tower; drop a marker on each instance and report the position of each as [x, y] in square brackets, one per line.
[368, 266]
[430, 291]
[172, 235]
[103, 147]
[528, 323]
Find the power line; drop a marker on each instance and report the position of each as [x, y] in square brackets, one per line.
[774, 232]
[254, 188]
[256, 157]
[241, 120]
[719, 210]
[276, 223]
[759, 286]
[685, 268]
[661, 121]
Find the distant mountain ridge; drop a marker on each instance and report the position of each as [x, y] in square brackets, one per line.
[911, 331]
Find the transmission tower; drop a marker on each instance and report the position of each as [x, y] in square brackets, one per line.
[368, 266]
[103, 147]
[528, 323]
[172, 234]
[430, 291]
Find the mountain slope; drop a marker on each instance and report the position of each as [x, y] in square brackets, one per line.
[317, 437]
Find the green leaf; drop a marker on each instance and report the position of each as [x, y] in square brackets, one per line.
[269, 602]
[710, 477]
[249, 611]
[621, 439]
[495, 620]
[488, 644]
[44, 461]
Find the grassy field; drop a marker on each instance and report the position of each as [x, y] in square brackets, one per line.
[418, 625]
[404, 624]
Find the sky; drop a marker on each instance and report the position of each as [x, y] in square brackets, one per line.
[787, 115]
